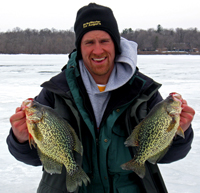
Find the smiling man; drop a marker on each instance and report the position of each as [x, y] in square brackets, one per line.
[98, 52]
[103, 95]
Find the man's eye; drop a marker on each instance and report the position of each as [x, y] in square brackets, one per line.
[89, 42]
[105, 41]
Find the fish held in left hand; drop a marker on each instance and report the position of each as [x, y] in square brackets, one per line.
[55, 140]
[154, 134]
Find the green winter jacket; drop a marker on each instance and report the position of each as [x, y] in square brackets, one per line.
[104, 151]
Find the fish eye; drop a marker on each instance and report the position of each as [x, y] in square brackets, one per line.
[34, 106]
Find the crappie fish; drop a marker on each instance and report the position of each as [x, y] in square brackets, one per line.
[56, 140]
[154, 134]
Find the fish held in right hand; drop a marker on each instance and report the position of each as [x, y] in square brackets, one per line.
[154, 134]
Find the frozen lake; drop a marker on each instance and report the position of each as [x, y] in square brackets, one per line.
[21, 76]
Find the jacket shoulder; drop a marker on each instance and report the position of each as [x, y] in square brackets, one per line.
[146, 78]
[147, 84]
[57, 83]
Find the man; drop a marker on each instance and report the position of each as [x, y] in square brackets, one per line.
[103, 96]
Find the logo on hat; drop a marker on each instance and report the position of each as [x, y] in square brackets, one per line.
[91, 23]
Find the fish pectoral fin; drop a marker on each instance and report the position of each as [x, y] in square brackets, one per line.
[133, 140]
[156, 158]
[180, 132]
[50, 165]
[37, 132]
[172, 125]
[77, 143]
[78, 146]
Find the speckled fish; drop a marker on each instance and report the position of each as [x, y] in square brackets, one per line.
[154, 134]
[56, 140]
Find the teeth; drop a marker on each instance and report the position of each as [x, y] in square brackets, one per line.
[98, 59]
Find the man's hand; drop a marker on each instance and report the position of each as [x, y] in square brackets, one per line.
[186, 116]
[19, 127]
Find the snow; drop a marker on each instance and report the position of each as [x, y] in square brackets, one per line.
[21, 75]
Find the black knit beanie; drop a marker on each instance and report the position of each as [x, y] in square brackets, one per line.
[96, 17]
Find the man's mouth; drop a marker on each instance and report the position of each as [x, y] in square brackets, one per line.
[98, 59]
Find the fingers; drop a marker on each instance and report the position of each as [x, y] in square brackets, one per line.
[186, 115]
[187, 111]
[18, 109]
[19, 127]
[18, 116]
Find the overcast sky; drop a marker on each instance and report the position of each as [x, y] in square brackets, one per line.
[135, 14]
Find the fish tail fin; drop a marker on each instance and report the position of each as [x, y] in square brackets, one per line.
[74, 180]
[138, 168]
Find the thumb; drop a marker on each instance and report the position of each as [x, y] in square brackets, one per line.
[18, 109]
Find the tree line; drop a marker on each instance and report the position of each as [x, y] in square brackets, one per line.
[33, 41]
[165, 40]
[46, 41]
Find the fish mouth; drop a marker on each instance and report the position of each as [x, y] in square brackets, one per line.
[176, 97]
[27, 103]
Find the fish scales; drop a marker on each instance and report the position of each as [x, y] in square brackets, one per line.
[56, 140]
[56, 143]
[154, 134]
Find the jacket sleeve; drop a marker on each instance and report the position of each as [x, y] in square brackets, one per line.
[180, 146]
[22, 151]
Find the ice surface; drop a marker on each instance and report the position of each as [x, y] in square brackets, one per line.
[21, 76]
[179, 73]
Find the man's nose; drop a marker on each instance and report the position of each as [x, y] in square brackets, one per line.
[98, 50]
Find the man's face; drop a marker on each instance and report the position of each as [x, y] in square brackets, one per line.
[98, 53]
